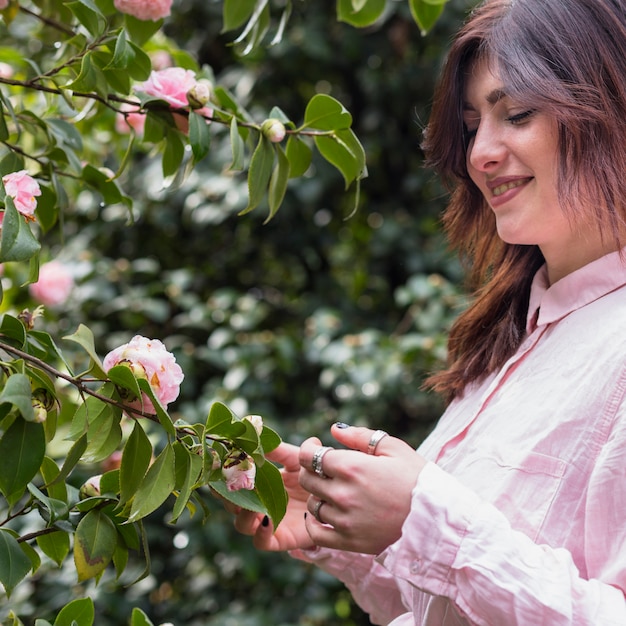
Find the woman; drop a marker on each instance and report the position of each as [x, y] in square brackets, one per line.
[513, 511]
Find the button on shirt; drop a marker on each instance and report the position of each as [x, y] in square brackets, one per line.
[519, 518]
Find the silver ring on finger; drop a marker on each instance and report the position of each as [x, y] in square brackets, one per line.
[316, 462]
[316, 510]
[374, 441]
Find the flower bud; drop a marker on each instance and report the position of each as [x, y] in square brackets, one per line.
[90, 488]
[257, 422]
[239, 471]
[274, 130]
[43, 401]
[200, 94]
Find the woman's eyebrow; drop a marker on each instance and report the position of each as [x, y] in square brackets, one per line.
[493, 97]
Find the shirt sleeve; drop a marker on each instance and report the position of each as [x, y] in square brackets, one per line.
[373, 588]
[456, 545]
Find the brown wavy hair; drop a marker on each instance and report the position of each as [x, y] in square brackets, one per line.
[566, 59]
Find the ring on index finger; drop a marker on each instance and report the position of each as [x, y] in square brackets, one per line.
[374, 440]
[316, 462]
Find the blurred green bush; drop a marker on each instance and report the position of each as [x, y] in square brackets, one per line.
[315, 317]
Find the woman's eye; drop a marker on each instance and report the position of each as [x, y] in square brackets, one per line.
[518, 118]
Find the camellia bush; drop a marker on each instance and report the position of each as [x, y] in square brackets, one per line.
[85, 85]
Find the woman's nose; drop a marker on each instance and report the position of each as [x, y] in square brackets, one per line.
[486, 149]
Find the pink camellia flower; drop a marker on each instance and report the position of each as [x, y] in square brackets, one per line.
[144, 9]
[4, 4]
[173, 84]
[239, 471]
[130, 118]
[22, 188]
[170, 84]
[54, 284]
[149, 359]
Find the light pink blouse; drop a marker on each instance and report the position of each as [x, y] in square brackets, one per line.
[519, 518]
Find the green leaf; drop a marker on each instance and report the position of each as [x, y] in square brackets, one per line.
[123, 55]
[104, 184]
[141, 66]
[89, 15]
[237, 146]
[360, 14]
[17, 392]
[426, 13]
[84, 337]
[94, 544]
[88, 77]
[190, 467]
[299, 155]
[12, 328]
[56, 546]
[14, 564]
[259, 173]
[54, 509]
[103, 436]
[22, 449]
[236, 12]
[199, 136]
[140, 31]
[222, 422]
[72, 459]
[271, 491]
[122, 376]
[173, 153]
[157, 485]
[139, 618]
[164, 419]
[245, 498]
[135, 462]
[17, 242]
[344, 151]
[325, 113]
[4, 131]
[278, 182]
[79, 612]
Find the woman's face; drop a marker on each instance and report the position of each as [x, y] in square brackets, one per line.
[512, 157]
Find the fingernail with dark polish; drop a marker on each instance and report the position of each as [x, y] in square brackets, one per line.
[342, 425]
[266, 521]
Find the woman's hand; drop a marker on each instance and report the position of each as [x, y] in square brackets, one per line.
[291, 533]
[366, 497]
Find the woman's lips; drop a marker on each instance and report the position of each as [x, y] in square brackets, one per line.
[502, 192]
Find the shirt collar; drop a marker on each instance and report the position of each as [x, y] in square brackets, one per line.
[549, 303]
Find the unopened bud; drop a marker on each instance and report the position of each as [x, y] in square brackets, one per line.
[90, 488]
[257, 422]
[274, 130]
[200, 94]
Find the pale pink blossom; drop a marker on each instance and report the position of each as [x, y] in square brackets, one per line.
[54, 284]
[6, 71]
[144, 9]
[161, 59]
[128, 119]
[22, 188]
[4, 4]
[149, 359]
[239, 471]
[172, 84]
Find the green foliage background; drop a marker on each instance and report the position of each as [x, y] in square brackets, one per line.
[315, 317]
